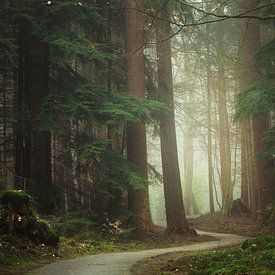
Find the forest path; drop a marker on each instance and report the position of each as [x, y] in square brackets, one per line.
[120, 263]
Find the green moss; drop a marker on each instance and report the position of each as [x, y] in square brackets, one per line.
[18, 218]
[16, 199]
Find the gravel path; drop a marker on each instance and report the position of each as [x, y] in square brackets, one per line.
[120, 263]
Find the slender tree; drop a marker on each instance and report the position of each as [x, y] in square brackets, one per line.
[224, 133]
[209, 128]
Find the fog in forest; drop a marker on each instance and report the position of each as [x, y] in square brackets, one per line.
[131, 125]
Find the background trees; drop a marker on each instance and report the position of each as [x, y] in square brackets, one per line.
[80, 81]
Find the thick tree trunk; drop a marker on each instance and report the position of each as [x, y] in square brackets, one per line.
[175, 213]
[260, 123]
[33, 146]
[22, 130]
[41, 180]
[248, 188]
[136, 132]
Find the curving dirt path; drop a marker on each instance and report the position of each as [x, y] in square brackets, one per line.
[120, 263]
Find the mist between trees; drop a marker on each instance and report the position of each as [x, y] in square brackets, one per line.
[146, 111]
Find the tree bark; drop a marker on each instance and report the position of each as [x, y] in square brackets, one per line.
[33, 146]
[175, 213]
[260, 123]
[224, 133]
[136, 132]
[40, 171]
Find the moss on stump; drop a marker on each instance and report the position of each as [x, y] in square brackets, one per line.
[18, 217]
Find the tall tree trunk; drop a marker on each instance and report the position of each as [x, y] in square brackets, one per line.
[175, 213]
[224, 133]
[260, 123]
[33, 146]
[209, 136]
[22, 131]
[136, 132]
[41, 180]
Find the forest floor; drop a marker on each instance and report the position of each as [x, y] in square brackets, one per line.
[234, 259]
[241, 225]
[80, 237]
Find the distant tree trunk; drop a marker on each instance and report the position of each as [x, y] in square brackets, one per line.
[209, 137]
[224, 133]
[63, 171]
[195, 207]
[136, 132]
[244, 166]
[188, 169]
[175, 213]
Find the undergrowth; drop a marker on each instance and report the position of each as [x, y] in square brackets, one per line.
[255, 256]
[80, 235]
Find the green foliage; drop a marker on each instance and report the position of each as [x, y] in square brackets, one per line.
[75, 47]
[237, 261]
[115, 170]
[260, 98]
[94, 104]
[266, 56]
[255, 101]
[263, 242]
[73, 223]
